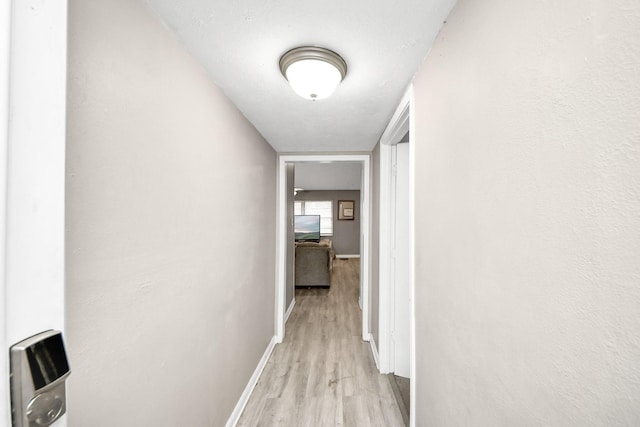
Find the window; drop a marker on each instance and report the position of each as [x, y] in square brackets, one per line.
[322, 208]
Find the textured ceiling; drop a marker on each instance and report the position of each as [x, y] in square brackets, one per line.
[240, 43]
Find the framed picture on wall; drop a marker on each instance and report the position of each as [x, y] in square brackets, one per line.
[346, 210]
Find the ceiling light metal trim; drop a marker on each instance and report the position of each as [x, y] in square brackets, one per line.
[315, 53]
[313, 72]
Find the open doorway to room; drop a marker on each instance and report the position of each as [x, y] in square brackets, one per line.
[326, 212]
[311, 166]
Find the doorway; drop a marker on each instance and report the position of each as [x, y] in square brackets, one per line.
[282, 242]
[396, 273]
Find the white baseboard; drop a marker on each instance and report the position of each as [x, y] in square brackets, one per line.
[374, 350]
[289, 310]
[246, 394]
[348, 256]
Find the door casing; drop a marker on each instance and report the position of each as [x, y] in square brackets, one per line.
[402, 121]
[365, 233]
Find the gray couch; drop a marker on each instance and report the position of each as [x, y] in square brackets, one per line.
[313, 264]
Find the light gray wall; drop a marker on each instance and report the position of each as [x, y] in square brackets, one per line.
[346, 234]
[329, 176]
[290, 285]
[170, 229]
[375, 245]
[528, 216]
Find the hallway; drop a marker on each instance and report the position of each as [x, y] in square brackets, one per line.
[323, 373]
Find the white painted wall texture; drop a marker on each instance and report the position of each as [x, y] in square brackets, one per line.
[528, 216]
[170, 229]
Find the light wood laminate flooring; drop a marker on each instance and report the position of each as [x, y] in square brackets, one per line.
[323, 374]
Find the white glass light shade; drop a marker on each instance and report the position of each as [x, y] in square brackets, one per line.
[313, 79]
[313, 72]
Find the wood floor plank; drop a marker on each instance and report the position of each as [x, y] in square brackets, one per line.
[323, 374]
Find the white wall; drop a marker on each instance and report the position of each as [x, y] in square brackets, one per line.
[170, 229]
[32, 137]
[528, 216]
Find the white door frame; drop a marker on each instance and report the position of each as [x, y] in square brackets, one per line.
[400, 359]
[33, 79]
[5, 65]
[401, 122]
[365, 233]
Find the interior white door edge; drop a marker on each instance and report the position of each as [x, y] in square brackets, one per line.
[398, 127]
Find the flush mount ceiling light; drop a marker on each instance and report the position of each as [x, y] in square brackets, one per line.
[313, 72]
